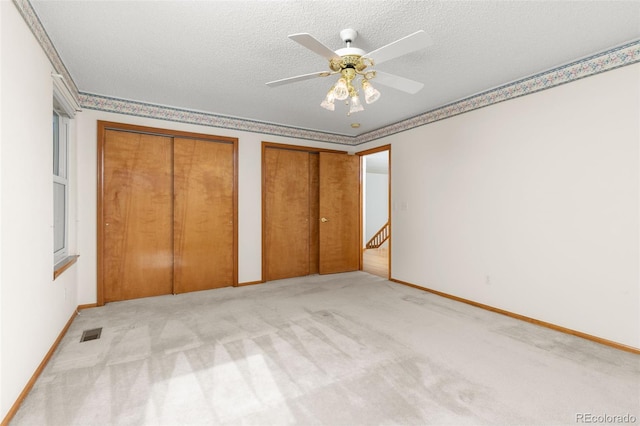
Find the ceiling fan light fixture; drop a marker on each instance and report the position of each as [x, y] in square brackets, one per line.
[371, 94]
[327, 103]
[341, 91]
[355, 105]
[353, 63]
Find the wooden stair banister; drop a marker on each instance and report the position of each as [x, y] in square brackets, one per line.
[379, 237]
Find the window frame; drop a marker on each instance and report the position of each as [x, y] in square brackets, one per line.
[65, 105]
[60, 177]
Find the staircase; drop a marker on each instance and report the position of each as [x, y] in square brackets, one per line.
[379, 238]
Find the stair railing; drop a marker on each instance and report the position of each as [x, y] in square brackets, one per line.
[379, 237]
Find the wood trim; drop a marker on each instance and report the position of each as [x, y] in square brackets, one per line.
[263, 210]
[274, 145]
[545, 324]
[250, 283]
[64, 265]
[16, 405]
[299, 148]
[361, 154]
[87, 306]
[110, 125]
[389, 213]
[361, 219]
[375, 150]
[103, 126]
[235, 211]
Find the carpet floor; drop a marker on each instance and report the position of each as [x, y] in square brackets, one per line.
[343, 349]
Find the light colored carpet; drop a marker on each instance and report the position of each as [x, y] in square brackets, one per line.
[344, 349]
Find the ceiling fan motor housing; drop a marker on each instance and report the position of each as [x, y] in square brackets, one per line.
[349, 57]
[346, 61]
[348, 35]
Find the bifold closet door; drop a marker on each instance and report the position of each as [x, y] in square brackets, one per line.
[339, 213]
[311, 213]
[287, 213]
[203, 215]
[138, 207]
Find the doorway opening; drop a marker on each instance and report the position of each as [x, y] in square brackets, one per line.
[376, 218]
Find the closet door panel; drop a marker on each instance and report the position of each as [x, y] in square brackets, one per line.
[286, 222]
[314, 214]
[138, 205]
[339, 213]
[203, 215]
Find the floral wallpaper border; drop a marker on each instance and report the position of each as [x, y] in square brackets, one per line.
[617, 57]
[141, 109]
[33, 22]
[620, 56]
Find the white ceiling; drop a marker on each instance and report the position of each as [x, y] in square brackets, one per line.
[216, 56]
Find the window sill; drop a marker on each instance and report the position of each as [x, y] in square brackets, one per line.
[63, 265]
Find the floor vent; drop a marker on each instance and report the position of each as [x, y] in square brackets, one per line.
[92, 334]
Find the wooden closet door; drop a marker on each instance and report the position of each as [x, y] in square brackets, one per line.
[203, 215]
[138, 206]
[314, 212]
[339, 213]
[286, 213]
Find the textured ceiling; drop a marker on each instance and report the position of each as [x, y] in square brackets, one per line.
[216, 56]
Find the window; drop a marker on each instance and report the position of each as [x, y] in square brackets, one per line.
[60, 126]
[64, 108]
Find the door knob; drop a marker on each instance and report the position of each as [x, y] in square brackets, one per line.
[324, 219]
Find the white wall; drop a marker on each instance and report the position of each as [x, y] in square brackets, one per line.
[33, 307]
[530, 205]
[249, 192]
[376, 204]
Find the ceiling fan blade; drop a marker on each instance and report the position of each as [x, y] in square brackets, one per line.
[302, 77]
[311, 43]
[390, 80]
[411, 43]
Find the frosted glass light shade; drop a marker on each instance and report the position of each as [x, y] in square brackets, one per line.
[370, 93]
[355, 105]
[341, 92]
[327, 103]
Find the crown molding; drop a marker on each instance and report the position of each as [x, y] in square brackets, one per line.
[620, 56]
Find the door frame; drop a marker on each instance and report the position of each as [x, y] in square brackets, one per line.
[362, 154]
[274, 145]
[103, 126]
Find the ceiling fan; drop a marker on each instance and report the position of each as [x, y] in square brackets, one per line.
[351, 62]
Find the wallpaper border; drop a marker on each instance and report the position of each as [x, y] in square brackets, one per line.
[142, 109]
[34, 24]
[626, 54]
